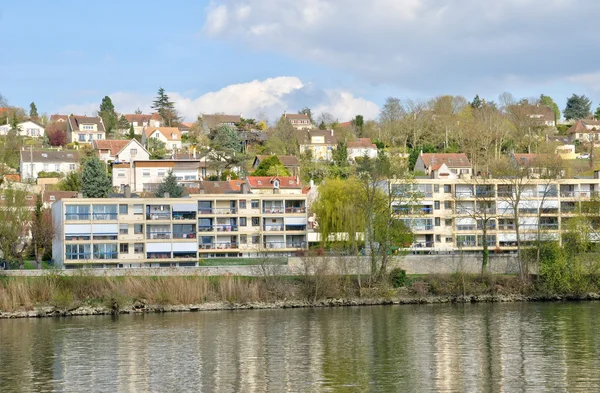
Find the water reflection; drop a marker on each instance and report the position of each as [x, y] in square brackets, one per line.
[446, 348]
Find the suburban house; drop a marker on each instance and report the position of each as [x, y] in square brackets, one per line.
[274, 184]
[581, 131]
[361, 148]
[26, 128]
[542, 113]
[444, 165]
[110, 150]
[539, 164]
[141, 121]
[291, 163]
[84, 129]
[184, 128]
[170, 136]
[320, 142]
[58, 118]
[299, 121]
[32, 162]
[210, 122]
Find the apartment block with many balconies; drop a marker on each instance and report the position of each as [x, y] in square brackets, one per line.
[163, 232]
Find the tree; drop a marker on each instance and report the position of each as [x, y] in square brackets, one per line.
[306, 111]
[57, 133]
[169, 185]
[122, 124]
[33, 112]
[108, 115]
[15, 220]
[165, 108]
[282, 139]
[71, 182]
[477, 102]
[227, 148]
[322, 125]
[546, 100]
[358, 123]
[390, 120]
[138, 111]
[578, 107]
[96, 182]
[42, 230]
[157, 148]
[597, 113]
[131, 132]
[271, 166]
[327, 120]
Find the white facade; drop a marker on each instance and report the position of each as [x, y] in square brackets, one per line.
[30, 170]
[27, 128]
[356, 152]
[170, 136]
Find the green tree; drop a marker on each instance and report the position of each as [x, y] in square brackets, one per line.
[358, 123]
[546, 100]
[96, 182]
[157, 148]
[322, 126]
[597, 113]
[169, 185]
[226, 139]
[33, 112]
[271, 166]
[477, 102]
[42, 231]
[578, 107]
[165, 108]
[138, 111]
[340, 154]
[306, 111]
[15, 222]
[123, 124]
[108, 115]
[282, 139]
[71, 182]
[131, 132]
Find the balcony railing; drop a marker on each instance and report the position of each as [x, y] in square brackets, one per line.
[550, 226]
[159, 235]
[274, 210]
[295, 210]
[184, 254]
[466, 244]
[77, 216]
[158, 216]
[182, 235]
[506, 227]
[295, 245]
[158, 255]
[105, 216]
[466, 227]
[226, 228]
[227, 210]
[218, 246]
[422, 245]
[106, 255]
[274, 245]
[427, 227]
[184, 216]
[78, 255]
[205, 228]
[273, 227]
[295, 227]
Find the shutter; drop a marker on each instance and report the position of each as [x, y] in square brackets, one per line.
[507, 237]
[78, 229]
[185, 207]
[105, 229]
[295, 220]
[159, 247]
[185, 246]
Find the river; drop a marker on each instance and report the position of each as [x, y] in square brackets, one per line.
[530, 347]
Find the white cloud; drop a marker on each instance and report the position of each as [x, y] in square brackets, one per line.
[124, 102]
[420, 45]
[344, 106]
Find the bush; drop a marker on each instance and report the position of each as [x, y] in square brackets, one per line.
[398, 277]
[45, 175]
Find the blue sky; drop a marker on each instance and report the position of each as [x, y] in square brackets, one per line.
[268, 56]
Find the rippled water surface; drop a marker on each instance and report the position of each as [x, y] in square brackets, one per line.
[530, 347]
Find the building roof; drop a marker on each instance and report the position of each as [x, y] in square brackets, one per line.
[57, 117]
[75, 121]
[285, 160]
[214, 120]
[528, 159]
[346, 124]
[140, 118]
[170, 133]
[452, 160]
[296, 116]
[304, 137]
[578, 128]
[115, 146]
[50, 156]
[53, 196]
[362, 143]
[260, 182]
[543, 112]
[222, 187]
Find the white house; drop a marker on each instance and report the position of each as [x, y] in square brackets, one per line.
[360, 148]
[85, 129]
[120, 150]
[170, 136]
[26, 128]
[32, 162]
[444, 165]
[141, 121]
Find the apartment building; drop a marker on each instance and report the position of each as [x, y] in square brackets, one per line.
[449, 214]
[163, 232]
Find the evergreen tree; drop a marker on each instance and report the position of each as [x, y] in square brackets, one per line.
[138, 111]
[96, 182]
[71, 182]
[131, 132]
[169, 185]
[33, 112]
[597, 114]
[578, 107]
[165, 108]
[108, 115]
[477, 102]
[122, 124]
[322, 126]
[306, 111]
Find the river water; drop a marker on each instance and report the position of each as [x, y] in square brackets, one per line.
[516, 347]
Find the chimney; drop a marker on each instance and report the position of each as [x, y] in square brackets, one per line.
[127, 191]
[244, 188]
[166, 195]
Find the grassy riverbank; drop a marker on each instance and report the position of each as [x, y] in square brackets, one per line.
[115, 294]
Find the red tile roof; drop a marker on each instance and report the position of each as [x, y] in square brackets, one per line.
[578, 127]
[452, 160]
[346, 124]
[167, 132]
[58, 117]
[115, 146]
[140, 118]
[259, 182]
[296, 116]
[362, 143]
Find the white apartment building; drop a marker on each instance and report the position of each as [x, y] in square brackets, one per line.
[163, 232]
[449, 213]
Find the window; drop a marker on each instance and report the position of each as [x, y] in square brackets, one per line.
[45, 167]
[254, 204]
[447, 188]
[255, 221]
[242, 203]
[146, 172]
[464, 171]
[99, 136]
[243, 222]
[436, 188]
[87, 127]
[123, 229]
[124, 248]
[57, 167]
[436, 205]
[448, 205]
[81, 138]
[52, 197]
[138, 229]
[133, 152]
[438, 238]
[448, 240]
[189, 177]
[437, 221]
[71, 167]
[121, 174]
[138, 209]
[255, 239]
[138, 248]
[123, 209]
[448, 222]
[243, 239]
[161, 172]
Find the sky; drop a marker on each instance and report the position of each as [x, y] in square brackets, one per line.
[269, 56]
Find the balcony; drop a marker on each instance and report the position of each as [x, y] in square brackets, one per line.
[292, 210]
[183, 235]
[274, 210]
[274, 245]
[426, 227]
[106, 255]
[295, 227]
[226, 228]
[295, 245]
[218, 246]
[568, 193]
[105, 216]
[159, 235]
[77, 255]
[184, 215]
[158, 216]
[185, 255]
[206, 228]
[158, 255]
[506, 227]
[466, 227]
[225, 210]
[77, 216]
[422, 245]
[273, 228]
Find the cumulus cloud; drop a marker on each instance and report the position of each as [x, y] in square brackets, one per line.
[271, 96]
[423, 45]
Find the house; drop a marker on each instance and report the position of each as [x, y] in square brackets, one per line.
[581, 131]
[444, 165]
[84, 129]
[566, 152]
[361, 148]
[542, 113]
[299, 121]
[274, 184]
[141, 121]
[49, 197]
[184, 128]
[58, 118]
[291, 163]
[110, 150]
[212, 121]
[27, 128]
[32, 162]
[170, 136]
[539, 164]
[320, 142]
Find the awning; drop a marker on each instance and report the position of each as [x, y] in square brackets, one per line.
[465, 221]
[78, 229]
[295, 220]
[108, 229]
[549, 204]
[159, 247]
[185, 246]
[185, 207]
[507, 237]
[528, 204]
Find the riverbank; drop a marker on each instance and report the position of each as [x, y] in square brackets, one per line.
[54, 295]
